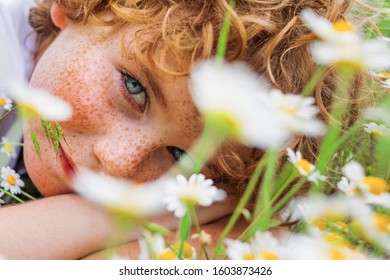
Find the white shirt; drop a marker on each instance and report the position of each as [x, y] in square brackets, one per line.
[16, 60]
[16, 40]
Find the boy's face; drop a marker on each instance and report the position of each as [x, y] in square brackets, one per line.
[127, 121]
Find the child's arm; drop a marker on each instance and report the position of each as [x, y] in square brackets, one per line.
[58, 227]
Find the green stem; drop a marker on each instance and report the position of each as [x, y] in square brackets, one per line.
[252, 227]
[310, 86]
[11, 195]
[243, 201]
[199, 162]
[222, 42]
[338, 111]
[194, 217]
[264, 195]
[28, 195]
[14, 108]
[283, 188]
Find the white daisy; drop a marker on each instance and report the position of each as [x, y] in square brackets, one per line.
[297, 113]
[120, 195]
[229, 93]
[304, 167]
[305, 247]
[39, 102]
[197, 190]
[383, 75]
[7, 148]
[367, 184]
[342, 45]
[380, 113]
[386, 84]
[347, 187]
[340, 31]
[375, 129]
[374, 227]
[263, 246]
[6, 103]
[11, 180]
[319, 210]
[153, 247]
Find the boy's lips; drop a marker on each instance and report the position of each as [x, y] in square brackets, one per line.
[66, 162]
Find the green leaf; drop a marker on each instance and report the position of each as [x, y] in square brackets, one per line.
[44, 126]
[56, 141]
[35, 142]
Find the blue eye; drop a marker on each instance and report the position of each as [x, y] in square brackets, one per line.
[136, 90]
[176, 152]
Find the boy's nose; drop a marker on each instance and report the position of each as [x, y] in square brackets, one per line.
[130, 156]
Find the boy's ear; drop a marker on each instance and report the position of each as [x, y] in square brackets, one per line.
[58, 17]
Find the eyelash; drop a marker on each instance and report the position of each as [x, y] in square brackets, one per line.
[128, 95]
[172, 149]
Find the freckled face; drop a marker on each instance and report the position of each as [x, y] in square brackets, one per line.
[123, 123]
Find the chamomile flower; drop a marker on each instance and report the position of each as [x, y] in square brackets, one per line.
[321, 211]
[374, 227]
[5, 103]
[342, 44]
[203, 237]
[367, 184]
[198, 190]
[7, 148]
[228, 93]
[386, 84]
[39, 102]
[263, 246]
[380, 113]
[304, 167]
[318, 248]
[120, 196]
[347, 187]
[383, 77]
[153, 247]
[11, 180]
[375, 129]
[296, 113]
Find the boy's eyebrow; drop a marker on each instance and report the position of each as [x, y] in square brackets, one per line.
[155, 87]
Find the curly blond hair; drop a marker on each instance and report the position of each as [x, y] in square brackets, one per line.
[267, 34]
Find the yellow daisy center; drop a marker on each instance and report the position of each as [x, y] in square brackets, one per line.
[385, 73]
[226, 122]
[269, 255]
[336, 239]
[188, 250]
[375, 132]
[28, 110]
[11, 180]
[290, 110]
[168, 255]
[382, 222]
[337, 255]
[189, 200]
[248, 257]
[342, 26]
[3, 101]
[375, 185]
[8, 148]
[320, 224]
[305, 165]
